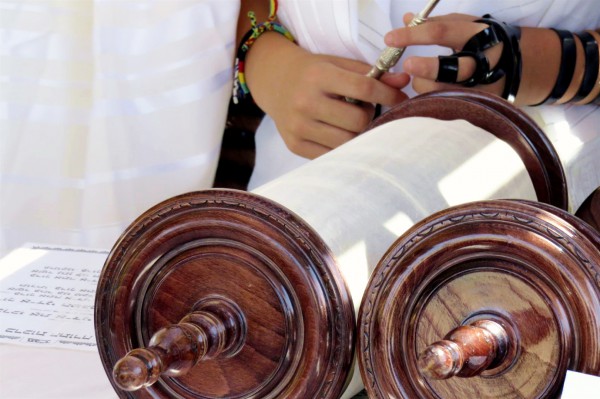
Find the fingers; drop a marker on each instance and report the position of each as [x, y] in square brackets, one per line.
[330, 109]
[452, 31]
[428, 67]
[344, 115]
[327, 135]
[397, 80]
[348, 64]
[448, 17]
[426, 85]
[318, 125]
[360, 87]
[314, 138]
[313, 116]
[329, 122]
[448, 33]
[425, 72]
[341, 78]
[307, 149]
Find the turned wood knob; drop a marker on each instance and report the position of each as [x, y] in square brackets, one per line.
[466, 351]
[174, 350]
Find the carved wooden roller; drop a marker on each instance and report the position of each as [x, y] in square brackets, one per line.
[223, 293]
[493, 299]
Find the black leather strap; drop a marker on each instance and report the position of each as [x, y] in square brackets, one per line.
[510, 61]
[592, 58]
[509, 65]
[568, 59]
[448, 69]
[482, 67]
[481, 41]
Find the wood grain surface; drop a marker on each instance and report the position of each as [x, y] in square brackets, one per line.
[532, 268]
[299, 320]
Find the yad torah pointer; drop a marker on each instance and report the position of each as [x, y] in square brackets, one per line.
[390, 55]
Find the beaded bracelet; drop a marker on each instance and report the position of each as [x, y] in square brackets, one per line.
[240, 88]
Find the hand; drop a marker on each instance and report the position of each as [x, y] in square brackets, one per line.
[540, 50]
[304, 94]
[451, 31]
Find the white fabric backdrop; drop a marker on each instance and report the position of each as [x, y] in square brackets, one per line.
[107, 107]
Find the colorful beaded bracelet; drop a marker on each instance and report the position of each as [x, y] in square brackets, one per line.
[240, 88]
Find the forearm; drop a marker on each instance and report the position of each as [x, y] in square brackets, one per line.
[540, 51]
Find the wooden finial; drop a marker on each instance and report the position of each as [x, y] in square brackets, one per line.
[466, 351]
[139, 368]
[216, 329]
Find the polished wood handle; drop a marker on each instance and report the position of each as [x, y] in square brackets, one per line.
[215, 329]
[466, 351]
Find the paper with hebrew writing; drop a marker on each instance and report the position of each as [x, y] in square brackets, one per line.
[47, 296]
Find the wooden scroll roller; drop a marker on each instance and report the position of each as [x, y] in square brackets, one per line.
[223, 293]
[589, 211]
[493, 299]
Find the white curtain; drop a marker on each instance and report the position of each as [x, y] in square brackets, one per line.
[106, 108]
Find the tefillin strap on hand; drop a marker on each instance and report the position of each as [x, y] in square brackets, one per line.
[509, 64]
